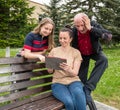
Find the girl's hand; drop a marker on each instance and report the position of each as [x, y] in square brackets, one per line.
[42, 58]
[22, 53]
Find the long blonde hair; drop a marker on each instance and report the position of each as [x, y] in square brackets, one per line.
[36, 30]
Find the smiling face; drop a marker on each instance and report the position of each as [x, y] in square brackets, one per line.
[46, 29]
[64, 39]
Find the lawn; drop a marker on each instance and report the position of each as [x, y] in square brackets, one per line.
[108, 89]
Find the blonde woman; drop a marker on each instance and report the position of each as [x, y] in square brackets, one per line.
[40, 40]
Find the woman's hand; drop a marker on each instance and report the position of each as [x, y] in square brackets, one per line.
[71, 71]
[65, 67]
[50, 70]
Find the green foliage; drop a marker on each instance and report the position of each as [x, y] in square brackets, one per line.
[105, 12]
[14, 22]
[53, 10]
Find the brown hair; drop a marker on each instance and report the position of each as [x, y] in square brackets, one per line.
[36, 30]
[68, 29]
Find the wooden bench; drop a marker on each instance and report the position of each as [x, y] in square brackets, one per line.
[36, 80]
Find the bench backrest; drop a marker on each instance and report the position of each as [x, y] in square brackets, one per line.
[35, 78]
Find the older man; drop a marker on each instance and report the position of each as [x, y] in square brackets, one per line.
[86, 40]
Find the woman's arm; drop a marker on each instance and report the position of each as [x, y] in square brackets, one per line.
[74, 69]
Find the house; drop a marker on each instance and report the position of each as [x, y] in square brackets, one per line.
[37, 10]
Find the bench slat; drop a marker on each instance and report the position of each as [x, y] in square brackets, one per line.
[35, 104]
[22, 76]
[24, 84]
[33, 92]
[23, 102]
[49, 103]
[55, 105]
[21, 94]
[52, 104]
[20, 68]
[13, 60]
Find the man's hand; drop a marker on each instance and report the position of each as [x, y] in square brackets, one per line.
[107, 36]
[86, 20]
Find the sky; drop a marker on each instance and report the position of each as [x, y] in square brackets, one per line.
[42, 1]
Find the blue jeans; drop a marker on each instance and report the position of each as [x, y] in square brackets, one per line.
[71, 95]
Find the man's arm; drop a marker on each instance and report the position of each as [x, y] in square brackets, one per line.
[100, 31]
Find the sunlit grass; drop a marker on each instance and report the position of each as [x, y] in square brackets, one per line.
[108, 89]
[13, 52]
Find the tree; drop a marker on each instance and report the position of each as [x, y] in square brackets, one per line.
[105, 12]
[14, 20]
[53, 10]
[109, 15]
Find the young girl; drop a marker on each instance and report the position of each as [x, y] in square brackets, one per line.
[40, 40]
[66, 85]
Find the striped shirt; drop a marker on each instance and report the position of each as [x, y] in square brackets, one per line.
[35, 42]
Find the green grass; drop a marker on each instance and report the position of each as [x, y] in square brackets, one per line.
[108, 89]
[13, 52]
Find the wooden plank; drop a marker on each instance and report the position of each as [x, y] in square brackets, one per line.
[49, 103]
[55, 105]
[21, 94]
[22, 76]
[36, 104]
[24, 84]
[20, 68]
[20, 103]
[25, 69]
[16, 60]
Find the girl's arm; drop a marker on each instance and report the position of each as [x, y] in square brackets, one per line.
[32, 55]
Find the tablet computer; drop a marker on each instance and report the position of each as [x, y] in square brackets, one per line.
[54, 62]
